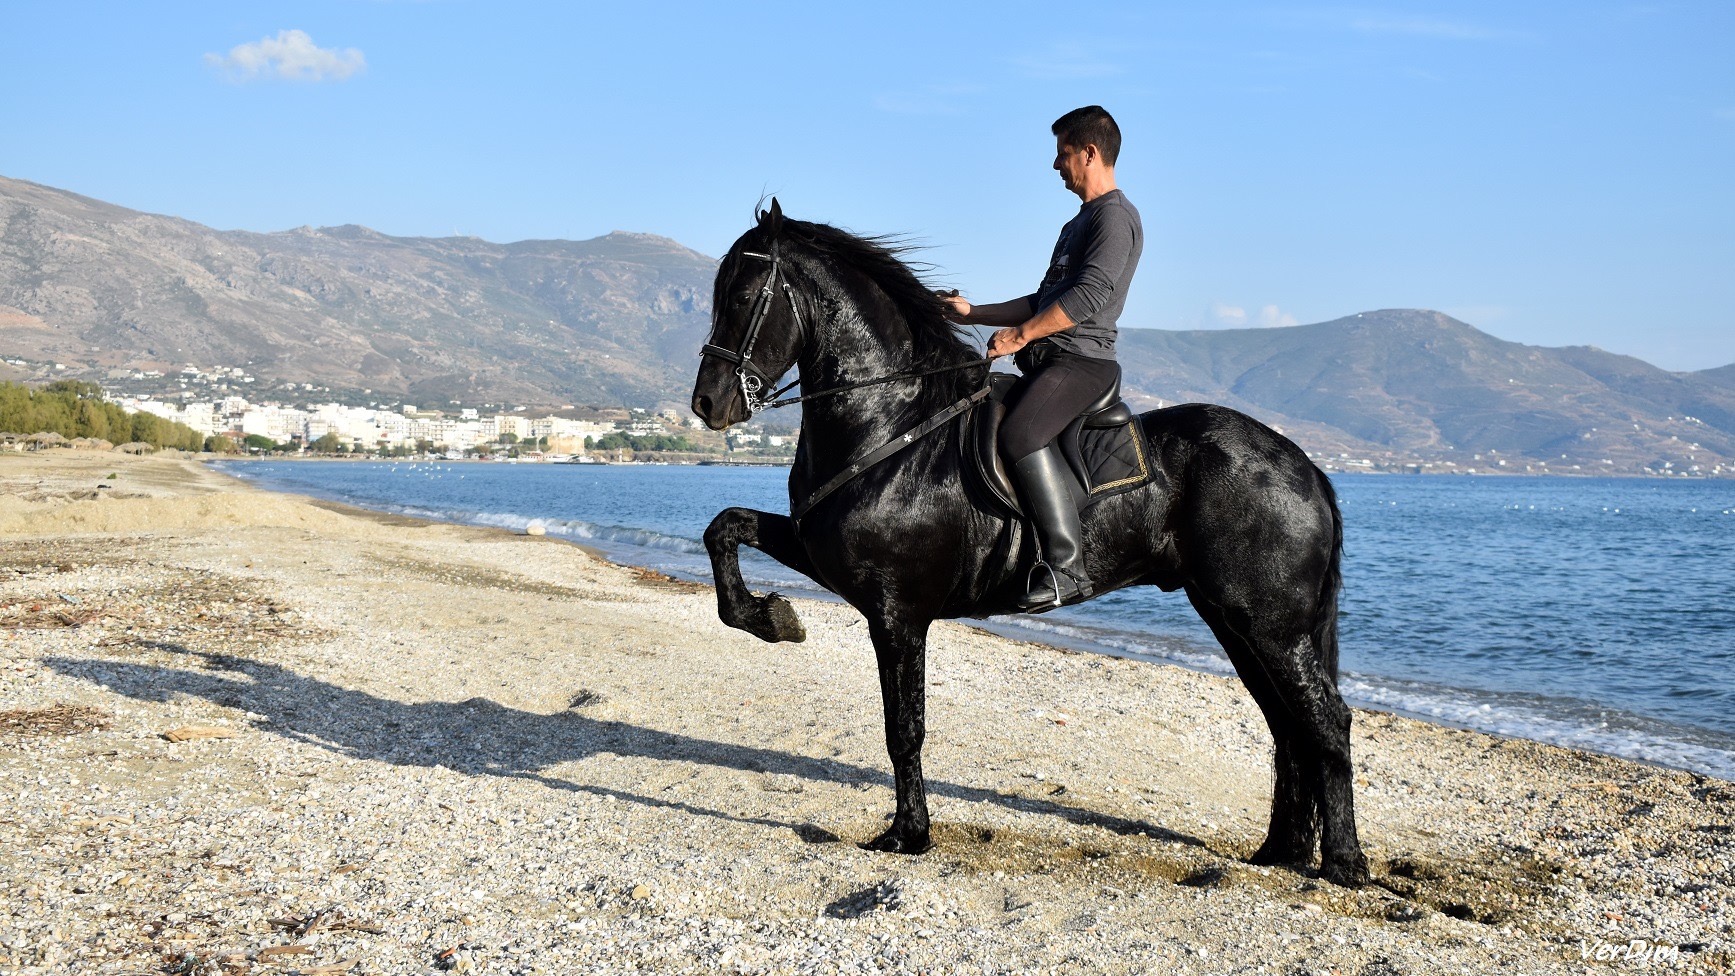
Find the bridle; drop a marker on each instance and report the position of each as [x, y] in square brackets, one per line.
[746, 371]
[753, 380]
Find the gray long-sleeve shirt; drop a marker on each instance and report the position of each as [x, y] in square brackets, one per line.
[1089, 274]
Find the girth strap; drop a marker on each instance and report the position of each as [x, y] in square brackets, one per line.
[886, 450]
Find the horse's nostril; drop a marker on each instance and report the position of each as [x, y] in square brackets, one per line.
[702, 407]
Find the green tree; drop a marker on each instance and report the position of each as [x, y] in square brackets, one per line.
[78, 388]
[621, 441]
[259, 442]
[327, 443]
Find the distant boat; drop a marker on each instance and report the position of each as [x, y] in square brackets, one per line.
[583, 459]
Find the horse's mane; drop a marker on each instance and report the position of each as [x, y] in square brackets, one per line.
[936, 341]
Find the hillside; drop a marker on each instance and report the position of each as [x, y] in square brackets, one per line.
[1423, 384]
[610, 320]
[619, 319]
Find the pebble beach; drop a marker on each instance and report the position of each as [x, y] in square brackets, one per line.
[248, 732]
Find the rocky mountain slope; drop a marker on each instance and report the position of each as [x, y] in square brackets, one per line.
[610, 320]
[1423, 384]
[619, 319]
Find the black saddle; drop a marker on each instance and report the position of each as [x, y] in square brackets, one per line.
[1103, 446]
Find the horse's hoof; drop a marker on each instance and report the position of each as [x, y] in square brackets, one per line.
[895, 841]
[785, 623]
[1274, 855]
[1349, 872]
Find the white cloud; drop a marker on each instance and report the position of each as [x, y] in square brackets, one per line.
[1271, 317]
[290, 55]
[1228, 315]
[1224, 316]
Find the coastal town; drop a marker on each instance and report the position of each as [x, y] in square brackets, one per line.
[237, 408]
[214, 401]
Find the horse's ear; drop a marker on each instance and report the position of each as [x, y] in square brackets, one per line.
[773, 218]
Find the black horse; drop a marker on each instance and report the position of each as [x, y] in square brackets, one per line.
[1240, 518]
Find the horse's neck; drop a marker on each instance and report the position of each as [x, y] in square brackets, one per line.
[852, 418]
[856, 345]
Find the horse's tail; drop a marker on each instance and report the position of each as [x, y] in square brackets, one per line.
[1325, 612]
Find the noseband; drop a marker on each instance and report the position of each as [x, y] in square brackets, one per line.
[753, 381]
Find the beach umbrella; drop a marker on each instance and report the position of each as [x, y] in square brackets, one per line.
[135, 447]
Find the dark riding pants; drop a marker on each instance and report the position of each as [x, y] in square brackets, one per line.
[1054, 390]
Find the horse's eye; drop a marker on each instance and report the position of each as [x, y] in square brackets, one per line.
[743, 299]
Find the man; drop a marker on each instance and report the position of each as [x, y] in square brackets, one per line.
[1063, 337]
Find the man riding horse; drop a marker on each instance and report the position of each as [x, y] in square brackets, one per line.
[1063, 338]
[883, 514]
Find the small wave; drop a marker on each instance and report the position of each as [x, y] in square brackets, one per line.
[1568, 723]
[592, 532]
[1155, 647]
[1574, 725]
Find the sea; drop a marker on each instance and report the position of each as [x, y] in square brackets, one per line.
[1595, 613]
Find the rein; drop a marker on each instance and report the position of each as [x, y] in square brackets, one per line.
[863, 462]
[873, 382]
[753, 381]
[747, 372]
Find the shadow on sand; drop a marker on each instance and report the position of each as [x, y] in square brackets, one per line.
[479, 737]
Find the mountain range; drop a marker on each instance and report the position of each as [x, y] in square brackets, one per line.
[618, 319]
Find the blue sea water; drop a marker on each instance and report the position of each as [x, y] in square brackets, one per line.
[1593, 613]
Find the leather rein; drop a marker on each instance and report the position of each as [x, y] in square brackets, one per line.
[753, 381]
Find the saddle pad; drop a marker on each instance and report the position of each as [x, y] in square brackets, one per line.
[1114, 460]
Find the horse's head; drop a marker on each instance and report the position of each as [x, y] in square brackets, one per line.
[756, 329]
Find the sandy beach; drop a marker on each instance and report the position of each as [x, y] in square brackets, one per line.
[243, 732]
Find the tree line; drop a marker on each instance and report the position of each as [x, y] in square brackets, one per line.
[646, 442]
[73, 408]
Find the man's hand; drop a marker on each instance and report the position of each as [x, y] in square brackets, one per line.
[957, 309]
[1005, 342]
[1043, 324]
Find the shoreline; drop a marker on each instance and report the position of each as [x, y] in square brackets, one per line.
[1520, 715]
[540, 761]
[777, 462]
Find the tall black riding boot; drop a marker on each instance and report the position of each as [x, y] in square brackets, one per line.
[1059, 577]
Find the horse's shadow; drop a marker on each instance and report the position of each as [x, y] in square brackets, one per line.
[479, 737]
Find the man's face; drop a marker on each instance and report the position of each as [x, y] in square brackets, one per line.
[1069, 162]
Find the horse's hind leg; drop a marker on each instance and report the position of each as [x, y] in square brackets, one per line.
[769, 618]
[1294, 827]
[1320, 743]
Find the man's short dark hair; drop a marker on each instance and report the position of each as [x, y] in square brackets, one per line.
[1090, 126]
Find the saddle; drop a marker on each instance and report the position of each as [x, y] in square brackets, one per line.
[1103, 446]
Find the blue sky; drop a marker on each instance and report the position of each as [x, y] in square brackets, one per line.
[1553, 173]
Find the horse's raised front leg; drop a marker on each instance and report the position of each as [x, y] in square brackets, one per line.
[769, 618]
[902, 649]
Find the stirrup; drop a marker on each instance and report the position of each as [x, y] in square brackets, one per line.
[1081, 589]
